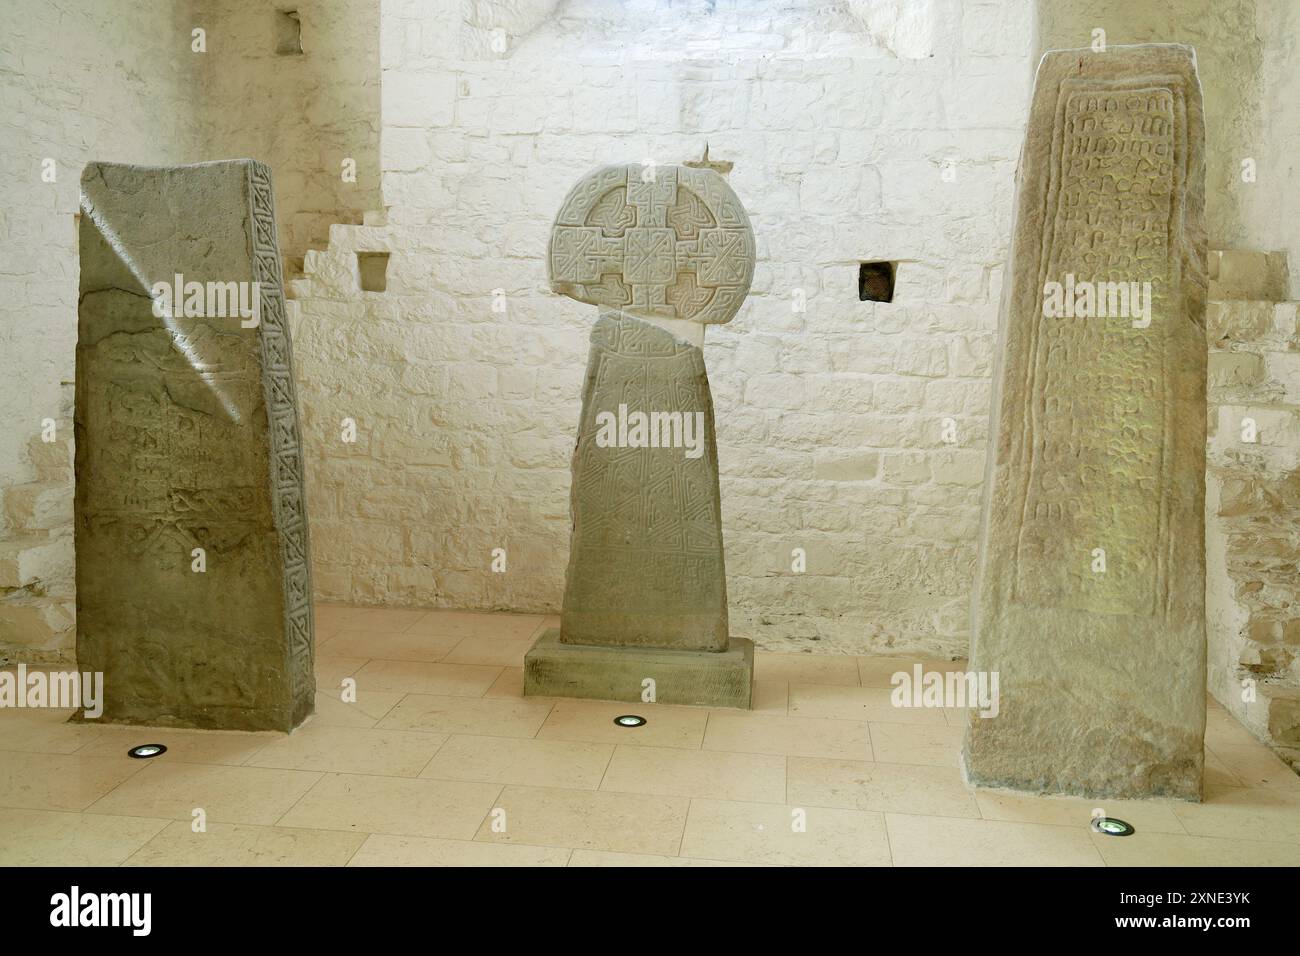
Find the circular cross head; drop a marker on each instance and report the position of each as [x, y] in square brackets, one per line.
[667, 242]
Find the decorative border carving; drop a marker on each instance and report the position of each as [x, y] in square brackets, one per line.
[288, 501]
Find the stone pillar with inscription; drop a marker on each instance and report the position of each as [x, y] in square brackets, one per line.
[662, 252]
[1090, 588]
[193, 582]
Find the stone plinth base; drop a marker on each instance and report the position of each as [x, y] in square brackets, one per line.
[707, 678]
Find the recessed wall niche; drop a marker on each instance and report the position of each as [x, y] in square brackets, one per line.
[876, 281]
[372, 268]
[288, 33]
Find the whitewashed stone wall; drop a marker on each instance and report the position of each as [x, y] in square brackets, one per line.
[841, 120]
[1253, 497]
[1274, 207]
[78, 81]
[301, 114]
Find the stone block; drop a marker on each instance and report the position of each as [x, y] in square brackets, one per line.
[646, 564]
[1247, 274]
[1235, 369]
[1098, 445]
[38, 506]
[554, 668]
[187, 437]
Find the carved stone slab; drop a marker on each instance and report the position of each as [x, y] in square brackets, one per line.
[187, 437]
[645, 563]
[670, 242]
[663, 251]
[1090, 588]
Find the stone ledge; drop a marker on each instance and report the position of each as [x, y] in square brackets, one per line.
[703, 678]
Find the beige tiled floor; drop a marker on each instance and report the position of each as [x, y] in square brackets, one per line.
[441, 762]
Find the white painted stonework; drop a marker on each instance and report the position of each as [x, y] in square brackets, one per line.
[834, 411]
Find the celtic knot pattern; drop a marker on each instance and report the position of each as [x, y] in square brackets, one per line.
[670, 242]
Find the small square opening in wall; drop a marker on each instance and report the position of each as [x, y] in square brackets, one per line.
[373, 268]
[876, 281]
[288, 33]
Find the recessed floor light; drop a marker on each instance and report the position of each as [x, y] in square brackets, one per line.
[629, 720]
[1112, 826]
[146, 750]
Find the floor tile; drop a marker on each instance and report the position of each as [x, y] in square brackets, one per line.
[536, 763]
[768, 697]
[468, 715]
[605, 858]
[382, 850]
[327, 617]
[225, 844]
[338, 618]
[1246, 813]
[1224, 730]
[60, 781]
[935, 745]
[856, 703]
[44, 730]
[330, 672]
[1148, 848]
[879, 671]
[229, 747]
[587, 819]
[462, 624]
[806, 668]
[947, 841]
[366, 710]
[413, 677]
[226, 794]
[667, 771]
[1155, 816]
[396, 805]
[506, 652]
[399, 646]
[1257, 766]
[61, 838]
[509, 684]
[1217, 774]
[792, 736]
[391, 753]
[783, 835]
[593, 720]
[897, 788]
[443, 762]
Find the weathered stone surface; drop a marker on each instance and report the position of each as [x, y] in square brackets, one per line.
[671, 242]
[1099, 443]
[187, 437]
[553, 668]
[645, 562]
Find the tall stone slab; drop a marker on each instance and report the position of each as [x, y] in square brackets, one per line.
[1090, 586]
[193, 581]
[645, 563]
[662, 252]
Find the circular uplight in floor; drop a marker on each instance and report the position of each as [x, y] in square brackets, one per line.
[145, 751]
[1111, 826]
[629, 720]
